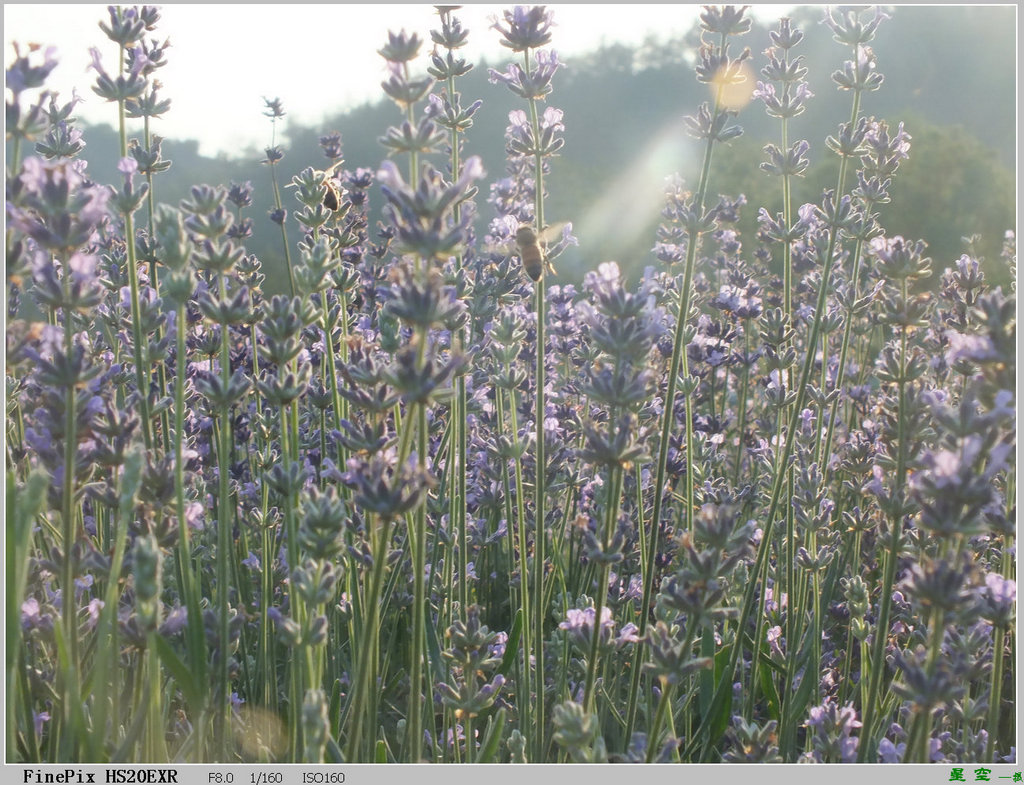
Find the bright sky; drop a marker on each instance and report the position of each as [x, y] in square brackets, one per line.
[317, 58]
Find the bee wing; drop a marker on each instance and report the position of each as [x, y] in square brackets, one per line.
[552, 232]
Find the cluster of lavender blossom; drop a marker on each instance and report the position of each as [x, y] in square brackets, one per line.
[755, 506]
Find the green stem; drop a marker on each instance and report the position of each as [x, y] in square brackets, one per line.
[459, 408]
[678, 363]
[611, 515]
[155, 283]
[15, 162]
[540, 482]
[659, 719]
[419, 608]
[847, 687]
[138, 345]
[155, 746]
[742, 405]
[195, 635]
[278, 206]
[524, 587]
[69, 531]
[366, 675]
[792, 620]
[224, 526]
[891, 556]
[269, 693]
[725, 684]
[996, 687]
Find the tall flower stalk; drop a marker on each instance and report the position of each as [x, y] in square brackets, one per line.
[526, 30]
[413, 140]
[274, 154]
[60, 212]
[623, 329]
[427, 230]
[174, 252]
[901, 263]
[126, 28]
[718, 70]
[786, 162]
[209, 220]
[448, 112]
[858, 77]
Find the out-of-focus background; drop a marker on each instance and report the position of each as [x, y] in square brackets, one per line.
[950, 76]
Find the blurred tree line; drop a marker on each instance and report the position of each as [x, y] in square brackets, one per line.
[949, 76]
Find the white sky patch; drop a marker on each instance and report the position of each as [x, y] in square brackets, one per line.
[318, 59]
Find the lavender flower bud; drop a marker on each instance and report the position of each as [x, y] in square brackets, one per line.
[578, 733]
[998, 600]
[670, 662]
[526, 28]
[425, 138]
[468, 701]
[322, 524]
[21, 75]
[926, 687]
[274, 109]
[517, 747]
[172, 241]
[471, 643]
[62, 141]
[316, 726]
[148, 567]
[418, 299]
[752, 743]
[120, 88]
[847, 28]
[831, 727]
[401, 47]
[579, 626]
[859, 75]
[725, 20]
[127, 25]
[148, 104]
[857, 596]
[315, 582]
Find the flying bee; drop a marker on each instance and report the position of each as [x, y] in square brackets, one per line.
[333, 196]
[532, 248]
[332, 199]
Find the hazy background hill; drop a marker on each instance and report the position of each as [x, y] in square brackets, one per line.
[950, 76]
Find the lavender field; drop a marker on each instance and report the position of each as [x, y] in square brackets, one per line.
[756, 504]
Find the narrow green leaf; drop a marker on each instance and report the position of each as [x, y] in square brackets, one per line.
[179, 672]
[803, 695]
[492, 737]
[138, 724]
[771, 694]
[716, 719]
[709, 677]
[766, 658]
[381, 754]
[334, 708]
[333, 753]
[23, 505]
[434, 649]
[512, 645]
